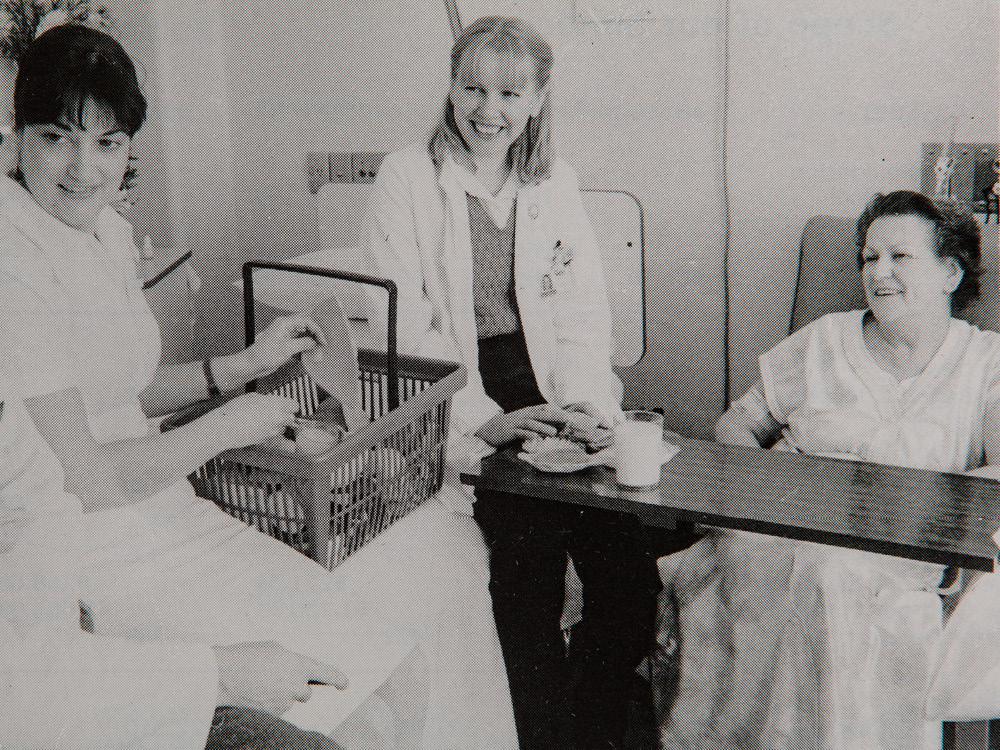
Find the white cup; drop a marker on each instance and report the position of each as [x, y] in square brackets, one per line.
[639, 449]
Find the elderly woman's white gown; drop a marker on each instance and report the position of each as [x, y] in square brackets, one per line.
[799, 645]
[72, 314]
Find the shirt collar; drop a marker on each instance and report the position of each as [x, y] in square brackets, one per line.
[45, 230]
[498, 206]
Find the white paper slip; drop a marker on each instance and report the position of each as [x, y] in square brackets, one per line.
[334, 365]
[327, 708]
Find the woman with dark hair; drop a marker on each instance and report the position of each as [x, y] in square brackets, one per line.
[407, 618]
[956, 234]
[484, 232]
[799, 645]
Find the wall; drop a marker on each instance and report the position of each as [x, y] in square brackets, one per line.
[265, 86]
[153, 215]
[827, 107]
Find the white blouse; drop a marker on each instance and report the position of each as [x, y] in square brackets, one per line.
[824, 385]
[72, 313]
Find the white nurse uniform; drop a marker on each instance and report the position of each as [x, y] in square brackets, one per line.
[173, 566]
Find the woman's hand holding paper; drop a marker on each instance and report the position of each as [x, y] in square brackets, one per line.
[273, 347]
[279, 342]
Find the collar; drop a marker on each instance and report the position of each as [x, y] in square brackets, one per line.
[46, 231]
[498, 206]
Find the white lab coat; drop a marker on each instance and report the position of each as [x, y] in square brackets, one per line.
[420, 239]
[61, 687]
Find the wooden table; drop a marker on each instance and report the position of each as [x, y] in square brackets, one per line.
[922, 515]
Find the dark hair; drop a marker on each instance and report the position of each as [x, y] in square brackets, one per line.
[531, 153]
[956, 231]
[66, 66]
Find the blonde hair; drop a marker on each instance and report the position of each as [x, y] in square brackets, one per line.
[531, 154]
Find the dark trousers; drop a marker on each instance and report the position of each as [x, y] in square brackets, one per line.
[236, 728]
[582, 699]
[588, 692]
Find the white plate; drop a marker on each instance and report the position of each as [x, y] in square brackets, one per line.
[552, 460]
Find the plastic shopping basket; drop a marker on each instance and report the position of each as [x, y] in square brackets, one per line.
[330, 505]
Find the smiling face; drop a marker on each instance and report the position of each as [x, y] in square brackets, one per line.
[902, 273]
[493, 96]
[75, 171]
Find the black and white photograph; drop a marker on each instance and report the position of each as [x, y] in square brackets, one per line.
[499, 375]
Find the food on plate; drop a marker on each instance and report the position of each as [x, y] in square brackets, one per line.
[314, 438]
[556, 450]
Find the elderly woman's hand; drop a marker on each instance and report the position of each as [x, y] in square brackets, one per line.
[281, 341]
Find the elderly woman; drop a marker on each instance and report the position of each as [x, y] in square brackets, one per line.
[797, 645]
[407, 619]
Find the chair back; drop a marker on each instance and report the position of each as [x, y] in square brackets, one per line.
[829, 280]
[616, 217]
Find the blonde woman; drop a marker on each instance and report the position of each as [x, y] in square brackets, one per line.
[484, 232]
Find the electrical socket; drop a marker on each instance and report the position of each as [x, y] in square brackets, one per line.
[340, 169]
[364, 165]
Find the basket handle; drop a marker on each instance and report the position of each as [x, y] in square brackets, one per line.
[392, 356]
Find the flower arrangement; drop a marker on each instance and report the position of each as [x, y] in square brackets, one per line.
[26, 19]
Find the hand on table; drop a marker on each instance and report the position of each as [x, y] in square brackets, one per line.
[579, 422]
[524, 424]
[587, 425]
[266, 676]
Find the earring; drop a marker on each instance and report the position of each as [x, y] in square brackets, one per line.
[128, 181]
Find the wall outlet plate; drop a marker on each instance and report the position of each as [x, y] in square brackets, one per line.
[341, 169]
[365, 165]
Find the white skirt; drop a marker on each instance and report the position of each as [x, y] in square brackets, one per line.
[175, 567]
